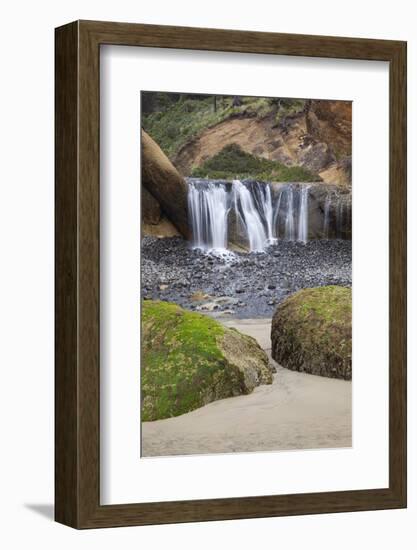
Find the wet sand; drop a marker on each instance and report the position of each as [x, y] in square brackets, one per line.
[297, 411]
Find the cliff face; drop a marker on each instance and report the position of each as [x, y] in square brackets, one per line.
[165, 190]
[317, 138]
[154, 221]
[331, 122]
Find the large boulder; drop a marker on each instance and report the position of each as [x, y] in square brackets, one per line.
[165, 184]
[151, 209]
[189, 360]
[312, 332]
[154, 222]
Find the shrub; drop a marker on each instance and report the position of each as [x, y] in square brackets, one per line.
[234, 163]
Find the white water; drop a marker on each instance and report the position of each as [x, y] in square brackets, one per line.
[208, 212]
[303, 215]
[268, 212]
[248, 215]
[276, 215]
[258, 213]
[289, 218]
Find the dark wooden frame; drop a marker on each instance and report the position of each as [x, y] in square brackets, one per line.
[77, 274]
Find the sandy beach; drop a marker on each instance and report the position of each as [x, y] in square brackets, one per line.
[298, 411]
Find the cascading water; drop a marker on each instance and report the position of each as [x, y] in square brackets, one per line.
[303, 215]
[249, 217]
[258, 213]
[326, 224]
[269, 215]
[276, 218]
[289, 218]
[262, 198]
[208, 212]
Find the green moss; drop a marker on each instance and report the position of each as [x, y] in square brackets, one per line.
[189, 360]
[234, 163]
[331, 304]
[311, 332]
[183, 364]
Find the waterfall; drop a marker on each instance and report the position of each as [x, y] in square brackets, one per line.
[275, 221]
[208, 213]
[303, 215]
[261, 214]
[339, 220]
[326, 224]
[268, 212]
[289, 218]
[249, 216]
[261, 194]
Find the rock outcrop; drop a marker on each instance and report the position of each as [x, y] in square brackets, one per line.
[151, 210]
[154, 222]
[165, 185]
[189, 360]
[317, 138]
[321, 196]
[331, 122]
[338, 202]
[312, 332]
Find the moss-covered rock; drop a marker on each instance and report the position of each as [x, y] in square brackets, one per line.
[312, 332]
[189, 360]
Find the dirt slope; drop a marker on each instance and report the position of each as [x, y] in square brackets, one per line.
[318, 138]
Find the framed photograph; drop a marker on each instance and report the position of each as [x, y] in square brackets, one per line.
[230, 274]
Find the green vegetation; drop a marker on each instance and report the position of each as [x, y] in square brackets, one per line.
[288, 107]
[172, 119]
[188, 361]
[312, 332]
[233, 163]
